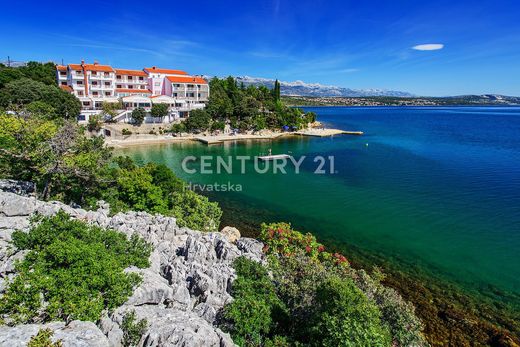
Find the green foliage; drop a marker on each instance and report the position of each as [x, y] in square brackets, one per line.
[21, 92]
[248, 108]
[159, 110]
[94, 123]
[155, 189]
[45, 73]
[256, 310]
[126, 132]
[325, 302]
[198, 121]
[43, 339]
[178, 128]
[60, 159]
[345, 317]
[138, 115]
[281, 239]
[41, 109]
[110, 109]
[75, 268]
[133, 330]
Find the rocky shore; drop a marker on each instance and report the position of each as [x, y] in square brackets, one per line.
[186, 285]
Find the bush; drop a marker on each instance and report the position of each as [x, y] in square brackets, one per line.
[155, 189]
[132, 330]
[72, 271]
[159, 110]
[256, 310]
[43, 339]
[345, 317]
[178, 128]
[94, 123]
[126, 132]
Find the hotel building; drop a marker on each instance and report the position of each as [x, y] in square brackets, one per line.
[94, 84]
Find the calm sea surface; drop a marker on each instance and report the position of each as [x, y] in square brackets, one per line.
[438, 188]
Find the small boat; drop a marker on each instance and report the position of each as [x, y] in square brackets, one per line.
[274, 157]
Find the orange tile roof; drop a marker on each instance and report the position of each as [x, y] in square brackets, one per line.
[131, 72]
[97, 67]
[61, 68]
[75, 66]
[142, 91]
[179, 79]
[165, 71]
[67, 88]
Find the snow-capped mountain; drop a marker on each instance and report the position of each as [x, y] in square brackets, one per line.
[301, 88]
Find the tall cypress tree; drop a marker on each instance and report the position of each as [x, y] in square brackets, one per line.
[276, 90]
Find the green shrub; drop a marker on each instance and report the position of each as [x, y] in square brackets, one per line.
[72, 271]
[132, 330]
[256, 310]
[125, 132]
[155, 189]
[345, 317]
[138, 115]
[43, 339]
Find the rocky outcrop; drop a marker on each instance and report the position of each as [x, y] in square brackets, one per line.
[182, 291]
[18, 187]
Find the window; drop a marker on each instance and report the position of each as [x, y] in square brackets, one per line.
[63, 73]
[118, 77]
[81, 117]
[119, 86]
[107, 83]
[130, 78]
[95, 93]
[93, 73]
[86, 103]
[130, 87]
[80, 93]
[157, 84]
[143, 87]
[107, 93]
[106, 74]
[141, 78]
[79, 82]
[78, 72]
[174, 95]
[63, 83]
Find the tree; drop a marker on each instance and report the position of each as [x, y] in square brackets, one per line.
[276, 90]
[178, 128]
[22, 92]
[159, 110]
[138, 115]
[110, 110]
[45, 73]
[60, 159]
[198, 121]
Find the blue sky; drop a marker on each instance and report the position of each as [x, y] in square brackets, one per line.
[355, 44]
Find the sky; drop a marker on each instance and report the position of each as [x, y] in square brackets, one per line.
[431, 48]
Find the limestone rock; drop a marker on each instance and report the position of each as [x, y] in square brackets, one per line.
[232, 234]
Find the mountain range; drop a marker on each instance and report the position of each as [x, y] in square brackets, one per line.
[300, 88]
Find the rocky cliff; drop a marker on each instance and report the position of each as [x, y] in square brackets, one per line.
[182, 291]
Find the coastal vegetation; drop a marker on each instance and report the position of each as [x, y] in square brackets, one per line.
[72, 271]
[308, 296]
[245, 108]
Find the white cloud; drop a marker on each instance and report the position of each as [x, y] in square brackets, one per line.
[429, 47]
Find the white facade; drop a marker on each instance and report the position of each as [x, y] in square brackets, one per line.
[94, 84]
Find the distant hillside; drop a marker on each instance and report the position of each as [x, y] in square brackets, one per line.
[300, 88]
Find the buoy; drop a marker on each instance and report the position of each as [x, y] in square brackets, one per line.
[366, 144]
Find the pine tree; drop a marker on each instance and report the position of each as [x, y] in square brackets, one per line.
[276, 90]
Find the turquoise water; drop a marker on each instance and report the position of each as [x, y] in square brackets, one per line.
[438, 188]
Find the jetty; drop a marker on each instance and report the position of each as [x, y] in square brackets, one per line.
[326, 132]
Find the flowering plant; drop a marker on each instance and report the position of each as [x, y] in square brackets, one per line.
[280, 239]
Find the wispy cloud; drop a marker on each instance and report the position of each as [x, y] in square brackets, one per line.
[429, 47]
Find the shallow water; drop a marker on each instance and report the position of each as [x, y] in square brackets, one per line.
[435, 187]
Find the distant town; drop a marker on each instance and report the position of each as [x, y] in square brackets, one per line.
[465, 100]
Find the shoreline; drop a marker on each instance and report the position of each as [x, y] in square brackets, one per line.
[146, 139]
